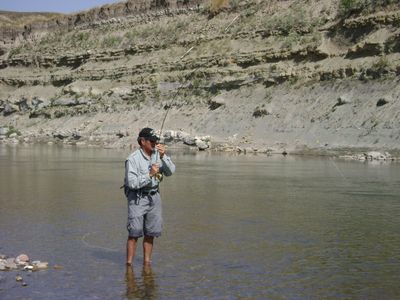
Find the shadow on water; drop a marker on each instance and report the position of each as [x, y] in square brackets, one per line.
[143, 287]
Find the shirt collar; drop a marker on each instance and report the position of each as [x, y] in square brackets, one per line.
[144, 154]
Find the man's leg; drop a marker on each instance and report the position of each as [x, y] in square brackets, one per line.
[147, 248]
[130, 250]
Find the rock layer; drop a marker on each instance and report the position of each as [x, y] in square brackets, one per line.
[274, 76]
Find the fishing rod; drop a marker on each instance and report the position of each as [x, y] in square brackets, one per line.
[168, 107]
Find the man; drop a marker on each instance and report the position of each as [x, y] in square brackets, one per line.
[144, 170]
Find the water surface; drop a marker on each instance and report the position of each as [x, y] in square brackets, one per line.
[236, 227]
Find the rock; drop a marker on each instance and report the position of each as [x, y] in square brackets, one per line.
[18, 278]
[375, 155]
[169, 136]
[65, 102]
[28, 268]
[11, 265]
[342, 100]
[188, 140]
[24, 284]
[60, 135]
[3, 131]
[22, 258]
[23, 104]
[13, 135]
[201, 145]
[39, 103]
[38, 265]
[9, 109]
[381, 102]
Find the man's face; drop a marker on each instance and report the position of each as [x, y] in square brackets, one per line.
[148, 145]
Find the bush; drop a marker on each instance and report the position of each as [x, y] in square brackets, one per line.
[216, 6]
[12, 130]
[111, 41]
[349, 7]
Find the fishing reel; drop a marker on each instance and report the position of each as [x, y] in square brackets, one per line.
[159, 176]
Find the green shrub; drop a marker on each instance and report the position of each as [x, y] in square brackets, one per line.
[111, 41]
[349, 7]
[11, 130]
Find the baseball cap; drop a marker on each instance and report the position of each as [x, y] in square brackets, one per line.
[148, 134]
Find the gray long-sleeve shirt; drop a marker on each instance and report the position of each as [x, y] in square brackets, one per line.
[137, 168]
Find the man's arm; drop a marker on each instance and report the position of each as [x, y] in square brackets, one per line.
[168, 167]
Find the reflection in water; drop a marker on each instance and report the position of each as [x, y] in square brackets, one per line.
[141, 288]
[290, 228]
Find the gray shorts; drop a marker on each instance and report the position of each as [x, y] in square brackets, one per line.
[144, 215]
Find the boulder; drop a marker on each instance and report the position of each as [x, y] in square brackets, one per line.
[9, 109]
[375, 155]
[23, 104]
[22, 258]
[39, 103]
[201, 145]
[188, 140]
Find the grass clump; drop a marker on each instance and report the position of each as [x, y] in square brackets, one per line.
[11, 130]
[111, 41]
[352, 7]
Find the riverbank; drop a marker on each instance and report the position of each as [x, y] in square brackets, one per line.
[182, 142]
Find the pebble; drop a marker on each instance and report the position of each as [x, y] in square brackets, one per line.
[21, 262]
[42, 265]
[22, 258]
[18, 278]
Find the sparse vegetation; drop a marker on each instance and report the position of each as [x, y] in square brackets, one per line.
[112, 41]
[294, 19]
[260, 112]
[11, 130]
[381, 64]
[349, 7]
[216, 6]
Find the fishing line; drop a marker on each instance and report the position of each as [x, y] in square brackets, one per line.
[332, 161]
[168, 107]
[87, 244]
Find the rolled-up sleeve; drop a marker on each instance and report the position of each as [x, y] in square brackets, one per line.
[134, 178]
[168, 167]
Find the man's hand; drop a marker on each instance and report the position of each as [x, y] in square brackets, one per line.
[154, 170]
[161, 149]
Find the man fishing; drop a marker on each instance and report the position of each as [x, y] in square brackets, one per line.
[144, 170]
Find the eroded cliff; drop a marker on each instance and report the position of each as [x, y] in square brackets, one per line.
[279, 75]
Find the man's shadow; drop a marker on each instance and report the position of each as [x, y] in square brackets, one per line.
[143, 287]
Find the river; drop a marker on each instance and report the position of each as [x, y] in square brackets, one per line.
[236, 227]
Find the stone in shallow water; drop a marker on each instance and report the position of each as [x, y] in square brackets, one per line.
[22, 258]
[41, 265]
[10, 264]
[18, 278]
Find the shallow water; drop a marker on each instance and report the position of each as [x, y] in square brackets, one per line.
[236, 227]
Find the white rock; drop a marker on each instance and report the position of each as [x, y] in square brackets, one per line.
[375, 155]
